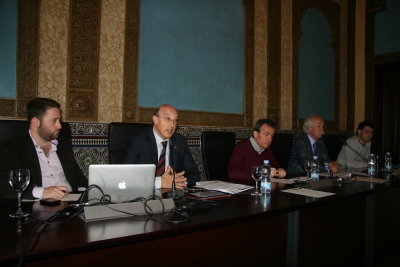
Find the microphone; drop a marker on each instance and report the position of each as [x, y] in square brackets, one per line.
[173, 193]
[352, 149]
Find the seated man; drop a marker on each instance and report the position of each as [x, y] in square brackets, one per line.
[360, 143]
[308, 145]
[53, 168]
[160, 145]
[253, 152]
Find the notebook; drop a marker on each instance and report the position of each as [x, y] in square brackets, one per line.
[123, 182]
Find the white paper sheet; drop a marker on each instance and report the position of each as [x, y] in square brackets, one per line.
[308, 192]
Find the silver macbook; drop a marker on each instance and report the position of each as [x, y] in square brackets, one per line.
[122, 182]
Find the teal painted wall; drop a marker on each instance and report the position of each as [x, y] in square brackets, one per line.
[387, 33]
[192, 55]
[8, 48]
[316, 67]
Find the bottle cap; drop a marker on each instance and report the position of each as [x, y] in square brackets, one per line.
[314, 157]
[266, 161]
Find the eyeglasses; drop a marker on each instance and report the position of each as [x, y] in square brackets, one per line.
[168, 120]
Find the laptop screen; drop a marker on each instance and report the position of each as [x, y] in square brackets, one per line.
[122, 182]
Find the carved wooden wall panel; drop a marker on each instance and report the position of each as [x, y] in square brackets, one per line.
[249, 63]
[111, 60]
[332, 13]
[53, 50]
[260, 65]
[350, 61]
[131, 62]
[83, 60]
[286, 85]
[274, 61]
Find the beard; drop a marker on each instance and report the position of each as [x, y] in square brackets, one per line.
[46, 134]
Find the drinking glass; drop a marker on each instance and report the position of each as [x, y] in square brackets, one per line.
[307, 167]
[256, 174]
[19, 180]
[378, 159]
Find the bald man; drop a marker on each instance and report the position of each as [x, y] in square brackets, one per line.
[146, 147]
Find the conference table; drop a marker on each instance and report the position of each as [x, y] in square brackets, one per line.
[357, 226]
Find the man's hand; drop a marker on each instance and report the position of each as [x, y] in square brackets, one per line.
[281, 173]
[166, 179]
[334, 166]
[273, 172]
[56, 192]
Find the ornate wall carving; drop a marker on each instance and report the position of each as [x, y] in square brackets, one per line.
[274, 61]
[332, 13]
[53, 50]
[249, 106]
[131, 59]
[83, 59]
[260, 80]
[286, 85]
[111, 60]
[82, 104]
[350, 64]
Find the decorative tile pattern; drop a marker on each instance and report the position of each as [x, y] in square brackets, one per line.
[86, 156]
[81, 128]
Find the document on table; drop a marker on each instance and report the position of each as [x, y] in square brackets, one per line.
[336, 175]
[70, 197]
[300, 178]
[308, 192]
[283, 181]
[221, 186]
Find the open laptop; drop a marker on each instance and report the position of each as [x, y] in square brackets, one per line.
[122, 182]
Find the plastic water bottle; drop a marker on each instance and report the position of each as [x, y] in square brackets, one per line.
[266, 178]
[314, 169]
[372, 165]
[388, 162]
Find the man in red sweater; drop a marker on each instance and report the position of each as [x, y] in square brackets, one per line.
[253, 152]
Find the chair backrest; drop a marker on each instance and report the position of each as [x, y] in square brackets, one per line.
[282, 146]
[333, 144]
[118, 134]
[12, 128]
[216, 150]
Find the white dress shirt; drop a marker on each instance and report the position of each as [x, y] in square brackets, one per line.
[52, 171]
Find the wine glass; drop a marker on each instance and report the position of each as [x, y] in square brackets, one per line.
[308, 166]
[19, 180]
[256, 174]
[378, 159]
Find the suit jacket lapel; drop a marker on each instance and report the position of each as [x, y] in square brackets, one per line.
[31, 156]
[152, 145]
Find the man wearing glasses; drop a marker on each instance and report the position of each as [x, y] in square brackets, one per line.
[308, 145]
[160, 145]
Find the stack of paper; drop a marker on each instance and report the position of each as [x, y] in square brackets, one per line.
[225, 187]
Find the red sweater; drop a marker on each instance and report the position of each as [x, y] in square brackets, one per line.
[244, 156]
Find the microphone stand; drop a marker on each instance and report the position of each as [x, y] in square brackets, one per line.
[352, 149]
[175, 194]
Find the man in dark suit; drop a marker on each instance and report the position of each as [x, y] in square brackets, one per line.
[303, 149]
[53, 168]
[147, 147]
